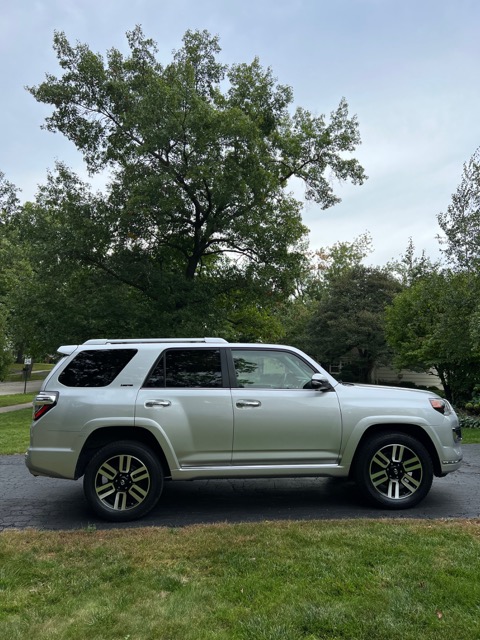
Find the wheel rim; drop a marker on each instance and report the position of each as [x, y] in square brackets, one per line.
[396, 472]
[122, 482]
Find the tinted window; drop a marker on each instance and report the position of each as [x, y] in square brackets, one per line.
[187, 368]
[95, 368]
[269, 369]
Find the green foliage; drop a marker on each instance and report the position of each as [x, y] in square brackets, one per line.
[12, 265]
[332, 262]
[427, 326]
[323, 266]
[468, 421]
[461, 222]
[436, 321]
[410, 268]
[197, 231]
[348, 321]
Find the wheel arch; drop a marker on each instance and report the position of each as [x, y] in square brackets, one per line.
[412, 430]
[105, 435]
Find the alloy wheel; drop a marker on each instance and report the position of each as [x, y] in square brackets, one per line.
[396, 471]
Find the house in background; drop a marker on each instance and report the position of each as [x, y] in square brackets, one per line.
[387, 375]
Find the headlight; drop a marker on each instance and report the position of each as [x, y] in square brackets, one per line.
[441, 405]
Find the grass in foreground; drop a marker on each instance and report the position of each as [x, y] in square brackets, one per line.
[268, 581]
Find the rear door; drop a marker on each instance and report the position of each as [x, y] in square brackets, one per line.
[187, 399]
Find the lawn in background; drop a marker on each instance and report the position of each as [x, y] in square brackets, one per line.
[16, 398]
[39, 371]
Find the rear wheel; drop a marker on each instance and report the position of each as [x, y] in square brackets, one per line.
[394, 471]
[123, 481]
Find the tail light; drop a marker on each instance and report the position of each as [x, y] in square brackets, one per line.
[43, 403]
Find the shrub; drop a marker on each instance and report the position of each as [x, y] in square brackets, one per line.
[468, 422]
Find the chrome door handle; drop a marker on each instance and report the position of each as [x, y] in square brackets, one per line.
[157, 403]
[248, 403]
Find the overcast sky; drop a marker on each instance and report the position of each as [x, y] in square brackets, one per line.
[409, 69]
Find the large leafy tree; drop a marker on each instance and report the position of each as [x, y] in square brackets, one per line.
[197, 222]
[429, 325]
[349, 321]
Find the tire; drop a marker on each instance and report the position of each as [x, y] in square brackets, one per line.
[393, 471]
[123, 481]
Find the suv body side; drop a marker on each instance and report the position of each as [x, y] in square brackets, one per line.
[230, 430]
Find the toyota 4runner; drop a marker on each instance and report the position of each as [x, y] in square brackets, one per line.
[128, 414]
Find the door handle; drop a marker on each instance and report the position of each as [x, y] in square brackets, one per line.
[248, 403]
[157, 403]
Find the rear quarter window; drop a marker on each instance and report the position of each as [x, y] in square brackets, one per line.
[95, 368]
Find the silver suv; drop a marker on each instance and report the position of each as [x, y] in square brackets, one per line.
[128, 414]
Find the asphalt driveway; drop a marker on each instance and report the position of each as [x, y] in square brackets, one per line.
[46, 503]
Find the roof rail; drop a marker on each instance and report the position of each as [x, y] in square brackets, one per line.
[154, 340]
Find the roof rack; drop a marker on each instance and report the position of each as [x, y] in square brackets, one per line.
[154, 340]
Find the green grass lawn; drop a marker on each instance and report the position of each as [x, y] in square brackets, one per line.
[371, 580]
[40, 370]
[16, 398]
[471, 436]
[15, 431]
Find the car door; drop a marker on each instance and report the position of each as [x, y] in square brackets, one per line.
[278, 418]
[186, 400]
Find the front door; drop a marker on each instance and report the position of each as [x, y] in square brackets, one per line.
[278, 418]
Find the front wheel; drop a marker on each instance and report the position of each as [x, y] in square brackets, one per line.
[394, 471]
[123, 481]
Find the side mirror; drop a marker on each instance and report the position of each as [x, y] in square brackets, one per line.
[320, 383]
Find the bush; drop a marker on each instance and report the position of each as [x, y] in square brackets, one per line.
[473, 405]
[468, 422]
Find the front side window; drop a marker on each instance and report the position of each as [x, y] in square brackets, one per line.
[95, 368]
[179, 368]
[269, 369]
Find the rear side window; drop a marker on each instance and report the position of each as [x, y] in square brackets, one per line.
[187, 368]
[96, 368]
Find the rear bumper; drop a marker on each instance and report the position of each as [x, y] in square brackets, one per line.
[52, 463]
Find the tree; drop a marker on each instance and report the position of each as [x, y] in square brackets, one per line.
[429, 326]
[331, 262]
[197, 219]
[410, 268]
[9, 261]
[322, 267]
[349, 320]
[461, 222]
